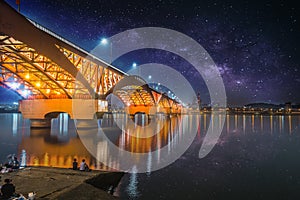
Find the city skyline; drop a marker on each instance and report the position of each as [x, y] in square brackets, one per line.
[253, 44]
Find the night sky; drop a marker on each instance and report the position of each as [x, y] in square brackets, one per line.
[255, 44]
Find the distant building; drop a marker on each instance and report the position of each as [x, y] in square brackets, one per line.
[288, 107]
[199, 100]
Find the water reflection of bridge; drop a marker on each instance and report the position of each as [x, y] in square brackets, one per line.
[59, 145]
[54, 76]
[142, 138]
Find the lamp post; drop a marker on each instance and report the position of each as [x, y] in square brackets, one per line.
[18, 3]
[104, 42]
[134, 65]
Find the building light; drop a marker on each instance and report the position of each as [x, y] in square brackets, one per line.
[14, 85]
[25, 93]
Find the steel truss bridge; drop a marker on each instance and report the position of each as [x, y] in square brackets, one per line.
[52, 75]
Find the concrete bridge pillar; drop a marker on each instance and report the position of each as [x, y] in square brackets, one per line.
[41, 111]
[40, 123]
[141, 119]
[76, 108]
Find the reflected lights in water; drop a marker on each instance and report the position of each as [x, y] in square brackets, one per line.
[60, 145]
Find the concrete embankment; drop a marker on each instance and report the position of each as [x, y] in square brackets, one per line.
[56, 183]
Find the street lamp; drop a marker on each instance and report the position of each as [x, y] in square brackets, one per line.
[134, 65]
[104, 42]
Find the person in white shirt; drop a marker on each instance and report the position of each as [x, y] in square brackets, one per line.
[83, 166]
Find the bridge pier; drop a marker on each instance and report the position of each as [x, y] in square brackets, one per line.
[50, 108]
[42, 111]
[40, 123]
[141, 119]
[99, 115]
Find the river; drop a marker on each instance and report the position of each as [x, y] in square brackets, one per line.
[256, 156]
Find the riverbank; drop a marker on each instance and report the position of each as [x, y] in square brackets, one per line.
[56, 183]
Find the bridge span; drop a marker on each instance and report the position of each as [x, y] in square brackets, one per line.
[53, 76]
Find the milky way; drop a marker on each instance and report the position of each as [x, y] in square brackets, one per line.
[253, 43]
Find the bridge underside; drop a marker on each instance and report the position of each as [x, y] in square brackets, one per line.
[148, 101]
[34, 76]
[38, 64]
[138, 97]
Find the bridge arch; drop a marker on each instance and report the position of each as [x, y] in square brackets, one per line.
[55, 114]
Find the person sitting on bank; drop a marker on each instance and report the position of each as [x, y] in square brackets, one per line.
[15, 163]
[8, 189]
[84, 166]
[75, 164]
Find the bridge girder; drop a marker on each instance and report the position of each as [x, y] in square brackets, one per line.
[101, 78]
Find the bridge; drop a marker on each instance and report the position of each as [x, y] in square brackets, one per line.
[54, 76]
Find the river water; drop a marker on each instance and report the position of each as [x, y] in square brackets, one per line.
[256, 157]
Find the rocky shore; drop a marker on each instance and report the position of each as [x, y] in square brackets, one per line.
[56, 183]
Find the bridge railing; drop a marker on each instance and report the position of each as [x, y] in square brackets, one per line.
[71, 44]
[54, 34]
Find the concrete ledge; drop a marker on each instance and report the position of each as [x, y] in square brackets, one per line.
[56, 183]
